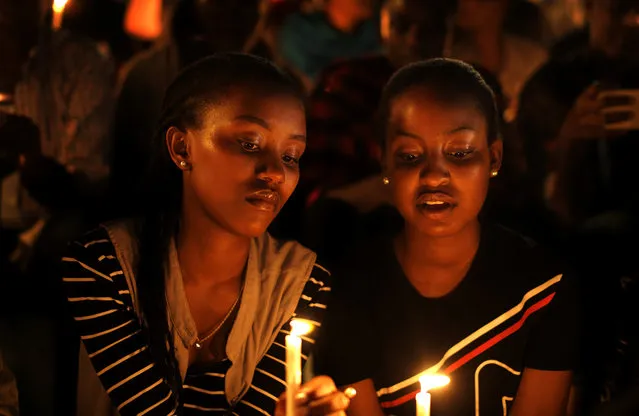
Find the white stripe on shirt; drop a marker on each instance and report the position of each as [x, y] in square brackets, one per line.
[155, 405]
[129, 378]
[108, 331]
[151, 387]
[255, 407]
[115, 343]
[91, 269]
[201, 390]
[97, 315]
[279, 380]
[121, 360]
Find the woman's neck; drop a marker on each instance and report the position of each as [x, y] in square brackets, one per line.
[208, 254]
[453, 251]
[435, 266]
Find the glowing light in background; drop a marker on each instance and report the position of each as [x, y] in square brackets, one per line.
[58, 10]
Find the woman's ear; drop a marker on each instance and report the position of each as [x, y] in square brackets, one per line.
[178, 145]
[496, 155]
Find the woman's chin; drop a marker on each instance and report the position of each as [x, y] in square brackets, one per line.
[254, 228]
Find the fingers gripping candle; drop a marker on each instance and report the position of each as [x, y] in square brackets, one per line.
[299, 328]
[428, 382]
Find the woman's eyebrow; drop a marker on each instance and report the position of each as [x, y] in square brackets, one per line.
[263, 123]
[253, 119]
[461, 128]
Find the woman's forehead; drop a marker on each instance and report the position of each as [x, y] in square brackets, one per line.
[421, 101]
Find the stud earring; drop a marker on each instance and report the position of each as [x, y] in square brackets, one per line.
[183, 164]
[385, 180]
[494, 173]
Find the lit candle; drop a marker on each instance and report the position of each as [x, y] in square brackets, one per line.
[294, 361]
[428, 382]
[58, 9]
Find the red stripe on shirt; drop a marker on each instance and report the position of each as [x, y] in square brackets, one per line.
[500, 337]
[474, 353]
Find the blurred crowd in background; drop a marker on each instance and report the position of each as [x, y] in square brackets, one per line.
[78, 105]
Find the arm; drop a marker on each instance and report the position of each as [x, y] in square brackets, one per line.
[542, 393]
[575, 173]
[551, 353]
[111, 331]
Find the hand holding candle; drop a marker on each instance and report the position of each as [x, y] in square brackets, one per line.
[318, 397]
[294, 361]
[428, 382]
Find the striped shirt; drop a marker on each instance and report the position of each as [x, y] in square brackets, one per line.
[103, 309]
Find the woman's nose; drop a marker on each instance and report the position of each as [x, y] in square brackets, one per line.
[271, 170]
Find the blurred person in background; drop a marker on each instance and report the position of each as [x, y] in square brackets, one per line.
[8, 392]
[18, 35]
[528, 19]
[341, 29]
[479, 36]
[67, 89]
[102, 22]
[340, 177]
[562, 110]
[564, 17]
[195, 29]
[584, 174]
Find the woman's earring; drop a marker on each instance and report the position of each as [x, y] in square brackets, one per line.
[494, 173]
[183, 164]
[385, 180]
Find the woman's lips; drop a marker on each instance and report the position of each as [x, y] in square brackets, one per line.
[435, 205]
[435, 199]
[264, 200]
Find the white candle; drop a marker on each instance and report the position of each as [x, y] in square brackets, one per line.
[294, 361]
[428, 382]
[58, 9]
[423, 403]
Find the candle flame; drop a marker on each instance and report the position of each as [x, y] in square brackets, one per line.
[433, 381]
[300, 327]
[59, 5]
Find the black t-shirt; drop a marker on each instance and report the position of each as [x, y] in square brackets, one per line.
[514, 309]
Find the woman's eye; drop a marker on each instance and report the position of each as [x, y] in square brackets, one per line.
[408, 157]
[291, 160]
[249, 146]
[460, 154]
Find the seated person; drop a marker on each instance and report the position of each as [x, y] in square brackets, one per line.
[446, 293]
[309, 42]
[187, 308]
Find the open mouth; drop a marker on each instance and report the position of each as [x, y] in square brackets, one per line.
[435, 206]
[435, 203]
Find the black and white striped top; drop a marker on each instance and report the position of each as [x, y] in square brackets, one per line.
[115, 341]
